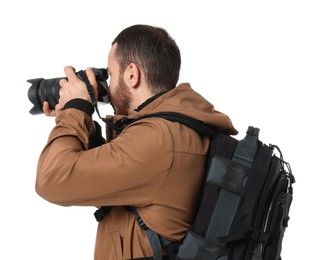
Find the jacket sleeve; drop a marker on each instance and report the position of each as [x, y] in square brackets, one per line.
[126, 171]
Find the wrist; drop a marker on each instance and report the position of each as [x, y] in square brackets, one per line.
[80, 104]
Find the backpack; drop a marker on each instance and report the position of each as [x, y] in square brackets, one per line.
[244, 206]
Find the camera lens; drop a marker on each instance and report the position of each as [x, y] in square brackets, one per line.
[48, 90]
[43, 90]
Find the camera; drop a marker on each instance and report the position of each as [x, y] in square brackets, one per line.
[48, 90]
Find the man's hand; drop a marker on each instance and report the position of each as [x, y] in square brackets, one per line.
[71, 88]
[50, 112]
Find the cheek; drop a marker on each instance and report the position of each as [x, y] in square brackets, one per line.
[111, 89]
[112, 86]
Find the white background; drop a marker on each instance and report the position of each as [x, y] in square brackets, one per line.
[249, 58]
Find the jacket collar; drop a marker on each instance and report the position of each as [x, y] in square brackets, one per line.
[149, 100]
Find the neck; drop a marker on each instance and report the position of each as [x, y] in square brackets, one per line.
[139, 96]
[149, 100]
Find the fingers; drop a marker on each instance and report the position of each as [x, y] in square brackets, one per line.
[91, 76]
[47, 111]
[70, 73]
[46, 108]
[62, 82]
[58, 109]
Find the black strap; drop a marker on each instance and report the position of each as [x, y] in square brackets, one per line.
[83, 76]
[156, 241]
[198, 126]
[102, 213]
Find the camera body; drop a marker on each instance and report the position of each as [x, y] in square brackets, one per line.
[48, 90]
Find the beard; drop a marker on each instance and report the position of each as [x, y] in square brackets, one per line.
[121, 98]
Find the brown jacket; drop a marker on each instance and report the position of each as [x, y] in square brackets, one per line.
[154, 165]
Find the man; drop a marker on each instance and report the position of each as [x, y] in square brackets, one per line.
[154, 165]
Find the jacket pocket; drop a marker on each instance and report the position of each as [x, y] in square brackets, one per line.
[117, 241]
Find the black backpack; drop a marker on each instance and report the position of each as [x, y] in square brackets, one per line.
[244, 206]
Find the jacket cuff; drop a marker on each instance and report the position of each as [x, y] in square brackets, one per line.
[80, 104]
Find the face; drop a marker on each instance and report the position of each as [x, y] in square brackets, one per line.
[119, 91]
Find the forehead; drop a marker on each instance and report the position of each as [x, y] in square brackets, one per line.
[112, 56]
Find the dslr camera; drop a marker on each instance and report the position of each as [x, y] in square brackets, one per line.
[48, 90]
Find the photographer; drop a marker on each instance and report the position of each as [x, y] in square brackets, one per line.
[153, 165]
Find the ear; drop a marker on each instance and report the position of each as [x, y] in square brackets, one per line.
[132, 75]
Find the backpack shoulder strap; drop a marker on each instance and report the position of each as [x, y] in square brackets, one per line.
[156, 241]
[198, 126]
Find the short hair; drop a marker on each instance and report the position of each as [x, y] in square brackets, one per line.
[154, 51]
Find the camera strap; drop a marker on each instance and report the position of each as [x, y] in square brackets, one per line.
[83, 76]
